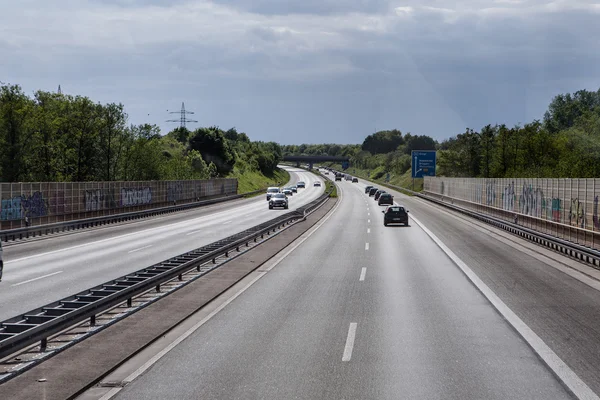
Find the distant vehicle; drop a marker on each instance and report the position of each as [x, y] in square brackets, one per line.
[355, 180]
[348, 177]
[278, 200]
[317, 183]
[368, 189]
[379, 193]
[395, 215]
[385, 198]
[287, 191]
[373, 191]
[272, 190]
[294, 189]
[326, 172]
[338, 177]
[1, 261]
[301, 185]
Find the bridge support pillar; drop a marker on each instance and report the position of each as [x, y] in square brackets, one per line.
[297, 164]
[310, 165]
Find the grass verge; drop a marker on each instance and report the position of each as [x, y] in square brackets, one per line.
[249, 181]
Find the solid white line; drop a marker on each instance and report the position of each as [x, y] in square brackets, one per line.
[366, 246]
[363, 272]
[554, 362]
[349, 342]
[141, 248]
[368, 230]
[39, 277]
[190, 331]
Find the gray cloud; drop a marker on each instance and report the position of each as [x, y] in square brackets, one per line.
[309, 71]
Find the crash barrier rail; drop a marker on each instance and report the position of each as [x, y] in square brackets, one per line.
[39, 230]
[39, 324]
[585, 254]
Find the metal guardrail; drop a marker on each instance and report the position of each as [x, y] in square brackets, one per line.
[585, 254]
[39, 324]
[46, 229]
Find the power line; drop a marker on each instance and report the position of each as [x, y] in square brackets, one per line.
[183, 120]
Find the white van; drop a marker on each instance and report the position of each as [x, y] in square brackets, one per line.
[271, 191]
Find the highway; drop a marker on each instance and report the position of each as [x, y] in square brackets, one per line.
[40, 271]
[363, 311]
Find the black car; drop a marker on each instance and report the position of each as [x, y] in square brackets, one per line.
[278, 200]
[294, 189]
[385, 198]
[301, 185]
[373, 191]
[395, 215]
[355, 180]
[368, 188]
[379, 193]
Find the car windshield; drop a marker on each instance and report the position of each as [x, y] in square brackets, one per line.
[273, 190]
[395, 209]
[279, 196]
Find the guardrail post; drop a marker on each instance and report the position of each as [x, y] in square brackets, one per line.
[227, 254]
[93, 320]
[158, 288]
[129, 302]
[198, 268]
[180, 277]
[43, 344]
[214, 260]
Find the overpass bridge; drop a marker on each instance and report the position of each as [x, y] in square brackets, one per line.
[311, 160]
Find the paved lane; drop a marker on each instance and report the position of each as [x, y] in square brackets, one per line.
[338, 319]
[70, 264]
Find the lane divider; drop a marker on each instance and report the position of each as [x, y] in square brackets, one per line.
[349, 342]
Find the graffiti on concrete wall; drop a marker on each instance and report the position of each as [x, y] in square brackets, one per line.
[18, 207]
[174, 192]
[508, 197]
[577, 213]
[531, 201]
[135, 197]
[595, 214]
[490, 193]
[11, 209]
[35, 205]
[99, 199]
[553, 209]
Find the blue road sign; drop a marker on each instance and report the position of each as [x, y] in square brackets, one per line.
[345, 165]
[423, 163]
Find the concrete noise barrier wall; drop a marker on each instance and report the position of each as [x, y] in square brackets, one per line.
[48, 202]
[565, 208]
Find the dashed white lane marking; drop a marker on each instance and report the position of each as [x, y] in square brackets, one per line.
[141, 248]
[191, 233]
[366, 246]
[38, 278]
[349, 342]
[554, 362]
[363, 272]
[369, 221]
[368, 230]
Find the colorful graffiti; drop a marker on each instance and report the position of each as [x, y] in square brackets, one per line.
[99, 199]
[577, 213]
[490, 193]
[174, 192]
[553, 209]
[508, 197]
[136, 197]
[11, 209]
[531, 201]
[18, 207]
[595, 214]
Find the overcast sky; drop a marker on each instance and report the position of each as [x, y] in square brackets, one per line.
[308, 71]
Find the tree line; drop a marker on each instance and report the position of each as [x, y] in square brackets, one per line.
[52, 137]
[565, 143]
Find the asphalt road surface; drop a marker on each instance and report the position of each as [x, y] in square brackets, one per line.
[358, 311]
[41, 271]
